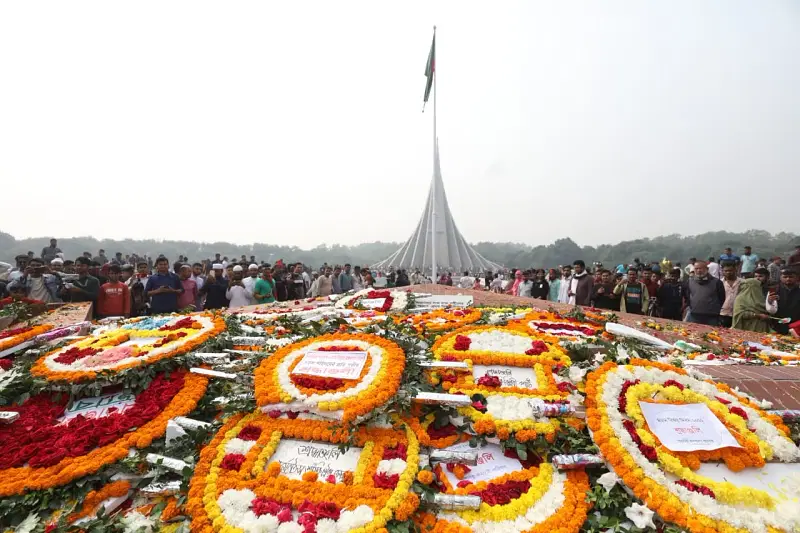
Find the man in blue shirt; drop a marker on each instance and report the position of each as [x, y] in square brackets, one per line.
[749, 262]
[163, 289]
[729, 256]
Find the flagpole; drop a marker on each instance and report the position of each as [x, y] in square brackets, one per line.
[433, 188]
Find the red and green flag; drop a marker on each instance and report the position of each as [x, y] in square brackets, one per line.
[430, 68]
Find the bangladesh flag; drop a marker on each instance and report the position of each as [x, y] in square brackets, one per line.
[430, 68]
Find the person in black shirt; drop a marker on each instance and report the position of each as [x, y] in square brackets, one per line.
[603, 293]
[215, 288]
[540, 288]
[785, 302]
[670, 297]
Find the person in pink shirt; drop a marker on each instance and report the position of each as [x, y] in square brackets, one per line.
[188, 297]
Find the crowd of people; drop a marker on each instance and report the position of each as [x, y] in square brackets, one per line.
[740, 291]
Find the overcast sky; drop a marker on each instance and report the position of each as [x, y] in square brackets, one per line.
[300, 122]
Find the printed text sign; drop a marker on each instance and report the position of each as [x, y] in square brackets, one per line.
[491, 463]
[99, 406]
[342, 365]
[686, 428]
[509, 376]
[372, 303]
[297, 457]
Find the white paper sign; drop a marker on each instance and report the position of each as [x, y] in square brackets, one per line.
[510, 376]
[436, 302]
[99, 406]
[372, 303]
[342, 365]
[686, 428]
[298, 456]
[779, 480]
[491, 464]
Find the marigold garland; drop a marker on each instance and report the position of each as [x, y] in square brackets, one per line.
[440, 319]
[421, 428]
[531, 512]
[377, 386]
[446, 347]
[691, 501]
[92, 501]
[549, 323]
[18, 335]
[173, 343]
[210, 484]
[21, 479]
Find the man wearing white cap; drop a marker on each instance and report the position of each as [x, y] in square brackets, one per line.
[237, 293]
[250, 281]
[215, 288]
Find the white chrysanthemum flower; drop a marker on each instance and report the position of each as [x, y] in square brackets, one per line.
[391, 466]
[640, 515]
[576, 374]
[136, 522]
[238, 500]
[240, 446]
[326, 525]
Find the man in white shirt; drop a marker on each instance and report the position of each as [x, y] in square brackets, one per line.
[713, 268]
[466, 281]
[237, 293]
[250, 281]
[566, 284]
[358, 280]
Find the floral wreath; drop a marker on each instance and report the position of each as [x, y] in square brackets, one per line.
[499, 408]
[137, 342]
[236, 487]
[557, 325]
[361, 319]
[535, 499]
[441, 319]
[14, 336]
[42, 452]
[278, 391]
[507, 346]
[428, 435]
[665, 480]
[395, 301]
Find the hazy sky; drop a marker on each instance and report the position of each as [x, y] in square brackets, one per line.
[300, 123]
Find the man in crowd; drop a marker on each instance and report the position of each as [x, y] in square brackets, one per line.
[712, 267]
[704, 295]
[215, 288]
[358, 280]
[264, 290]
[114, 297]
[86, 287]
[774, 269]
[250, 281]
[49, 252]
[237, 293]
[670, 296]
[136, 285]
[36, 284]
[163, 288]
[749, 262]
[554, 283]
[199, 280]
[325, 283]
[633, 295]
[100, 258]
[188, 298]
[581, 285]
[603, 293]
[526, 286]
[566, 284]
[785, 302]
[728, 255]
[794, 259]
[731, 282]
[336, 286]
[541, 288]
[295, 283]
[345, 279]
